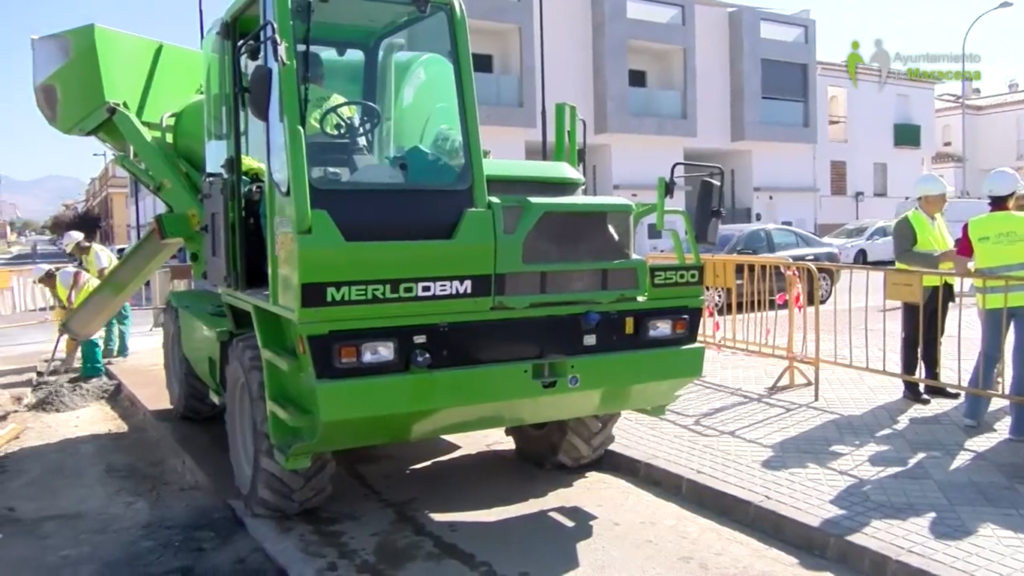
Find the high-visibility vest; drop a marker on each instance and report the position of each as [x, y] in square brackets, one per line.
[66, 277]
[932, 237]
[321, 100]
[998, 240]
[92, 265]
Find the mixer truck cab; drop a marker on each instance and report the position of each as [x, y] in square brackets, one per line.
[405, 287]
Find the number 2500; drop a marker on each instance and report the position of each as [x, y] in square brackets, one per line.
[677, 277]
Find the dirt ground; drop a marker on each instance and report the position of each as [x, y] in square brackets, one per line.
[86, 492]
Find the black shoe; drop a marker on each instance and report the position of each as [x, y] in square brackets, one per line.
[917, 397]
[944, 393]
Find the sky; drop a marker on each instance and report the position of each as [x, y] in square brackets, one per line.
[30, 149]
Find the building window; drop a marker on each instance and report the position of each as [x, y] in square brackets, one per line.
[904, 114]
[637, 78]
[782, 32]
[483, 63]
[947, 135]
[836, 114]
[657, 12]
[653, 233]
[783, 93]
[881, 186]
[837, 177]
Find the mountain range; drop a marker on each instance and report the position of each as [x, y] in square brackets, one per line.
[40, 198]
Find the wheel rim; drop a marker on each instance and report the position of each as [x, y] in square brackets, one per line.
[244, 437]
[824, 286]
[714, 297]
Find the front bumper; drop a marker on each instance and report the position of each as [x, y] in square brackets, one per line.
[415, 405]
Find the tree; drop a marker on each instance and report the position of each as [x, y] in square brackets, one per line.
[25, 225]
[87, 222]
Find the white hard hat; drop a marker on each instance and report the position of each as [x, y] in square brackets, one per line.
[40, 270]
[71, 238]
[931, 184]
[1002, 182]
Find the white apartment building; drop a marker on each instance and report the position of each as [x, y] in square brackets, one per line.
[995, 136]
[874, 141]
[658, 82]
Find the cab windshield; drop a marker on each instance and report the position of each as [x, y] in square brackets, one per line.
[382, 108]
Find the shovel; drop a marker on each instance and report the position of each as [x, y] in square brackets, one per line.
[46, 373]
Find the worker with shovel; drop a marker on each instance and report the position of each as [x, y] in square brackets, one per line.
[72, 286]
[99, 260]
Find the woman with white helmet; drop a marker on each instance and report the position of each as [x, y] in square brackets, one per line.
[996, 243]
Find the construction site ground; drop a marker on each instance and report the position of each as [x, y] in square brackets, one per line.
[92, 492]
[464, 505]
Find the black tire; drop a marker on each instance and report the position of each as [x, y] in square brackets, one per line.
[267, 488]
[826, 285]
[565, 443]
[189, 395]
[860, 258]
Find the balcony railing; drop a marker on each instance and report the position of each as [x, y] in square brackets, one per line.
[498, 90]
[653, 103]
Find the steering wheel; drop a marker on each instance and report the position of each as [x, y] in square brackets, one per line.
[348, 128]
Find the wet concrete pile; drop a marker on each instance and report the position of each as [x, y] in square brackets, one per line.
[68, 392]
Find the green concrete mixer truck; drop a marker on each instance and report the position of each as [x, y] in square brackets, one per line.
[375, 280]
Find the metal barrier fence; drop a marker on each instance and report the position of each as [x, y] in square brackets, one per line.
[767, 300]
[813, 315]
[21, 296]
[865, 321]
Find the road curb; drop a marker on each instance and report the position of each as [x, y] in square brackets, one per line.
[133, 410]
[865, 554]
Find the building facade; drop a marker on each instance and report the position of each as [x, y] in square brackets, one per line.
[143, 206]
[107, 194]
[662, 81]
[995, 136]
[874, 140]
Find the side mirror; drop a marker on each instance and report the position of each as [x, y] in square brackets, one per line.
[260, 82]
[707, 217]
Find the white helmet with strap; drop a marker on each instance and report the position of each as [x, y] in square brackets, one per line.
[1002, 182]
[931, 184]
[71, 238]
[40, 270]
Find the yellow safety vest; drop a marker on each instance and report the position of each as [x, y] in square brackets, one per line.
[998, 240]
[90, 259]
[932, 237]
[89, 283]
[320, 100]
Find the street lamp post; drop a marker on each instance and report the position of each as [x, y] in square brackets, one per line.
[964, 95]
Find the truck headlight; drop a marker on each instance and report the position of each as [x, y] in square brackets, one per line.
[667, 327]
[376, 352]
[659, 328]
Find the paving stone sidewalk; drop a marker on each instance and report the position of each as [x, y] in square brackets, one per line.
[861, 460]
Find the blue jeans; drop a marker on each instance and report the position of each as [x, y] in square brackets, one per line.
[993, 341]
